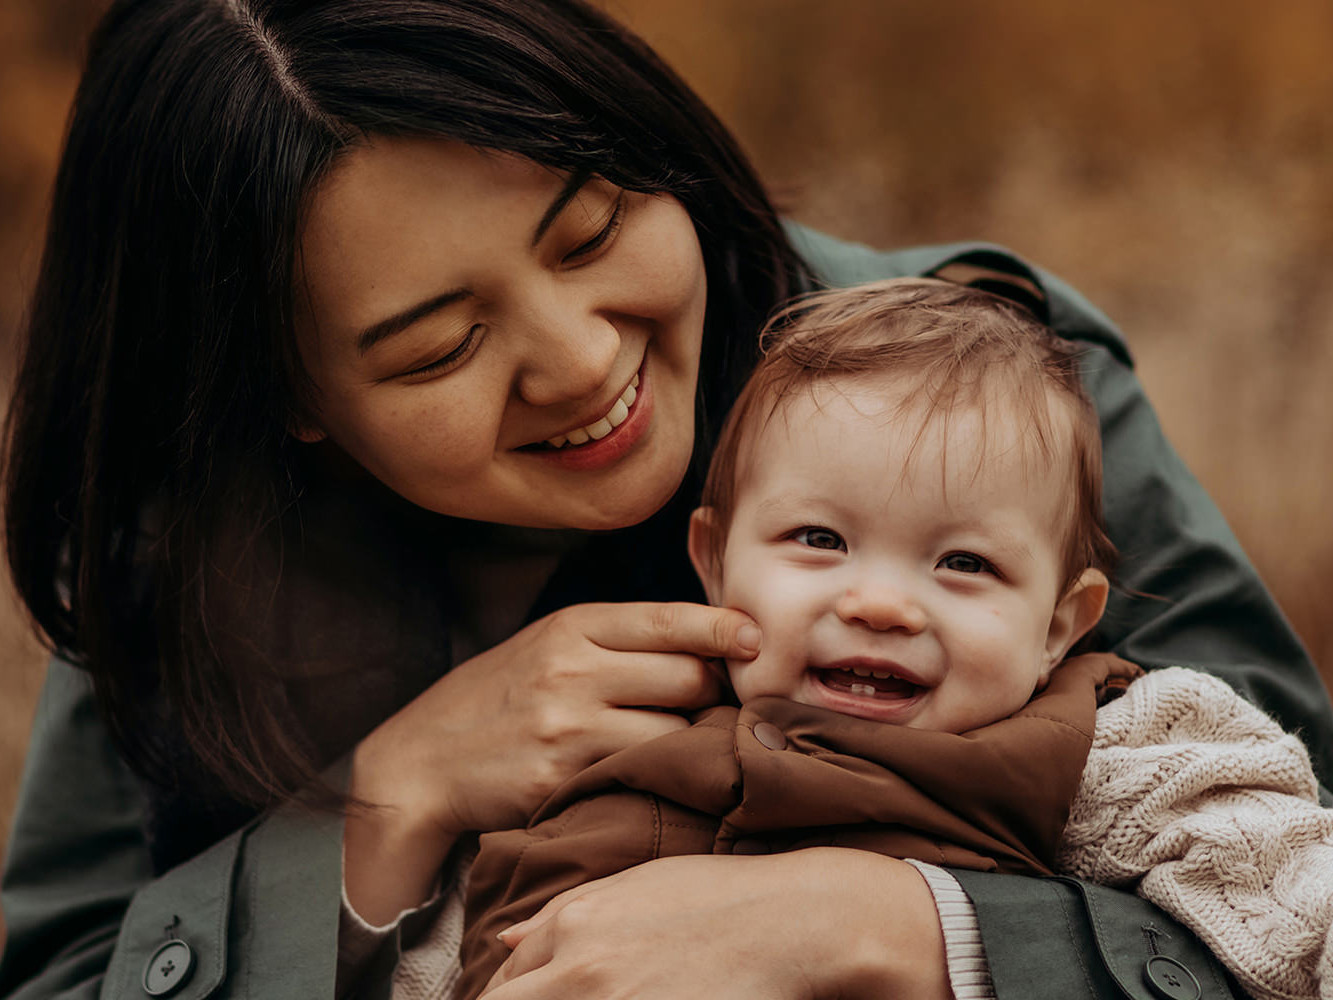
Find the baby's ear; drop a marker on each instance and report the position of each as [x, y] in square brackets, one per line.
[1075, 615]
[704, 552]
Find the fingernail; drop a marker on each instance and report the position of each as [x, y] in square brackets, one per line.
[748, 638]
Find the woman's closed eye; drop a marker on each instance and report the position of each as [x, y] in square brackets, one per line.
[825, 539]
[602, 238]
[965, 562]
[456, 356]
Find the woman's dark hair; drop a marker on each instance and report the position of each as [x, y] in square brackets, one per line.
[147, 435]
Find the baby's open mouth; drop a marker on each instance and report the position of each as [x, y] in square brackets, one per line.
[867, 683]
[598, 429]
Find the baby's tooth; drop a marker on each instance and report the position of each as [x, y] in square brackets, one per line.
[861, 671]
[599, 430]
[868, 689]
[579, 436]
[618, 413]
[882, 675]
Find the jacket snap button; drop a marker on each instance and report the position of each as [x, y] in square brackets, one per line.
[749, 845]
[169, 969]
[1170, 980]
[770, 736]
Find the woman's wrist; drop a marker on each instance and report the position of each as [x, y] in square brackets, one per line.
[393, 847]
[884, 936]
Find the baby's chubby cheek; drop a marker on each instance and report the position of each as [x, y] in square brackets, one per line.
[763, 676]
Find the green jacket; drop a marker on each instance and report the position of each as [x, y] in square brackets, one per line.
[259, 909]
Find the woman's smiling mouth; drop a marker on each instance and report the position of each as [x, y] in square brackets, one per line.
[599, 429]
[610, 437]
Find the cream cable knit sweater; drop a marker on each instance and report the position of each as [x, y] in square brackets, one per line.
[1201, 796]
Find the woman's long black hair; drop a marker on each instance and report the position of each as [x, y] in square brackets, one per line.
[147, 434]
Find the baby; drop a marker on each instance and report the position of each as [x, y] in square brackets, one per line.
[907, 499]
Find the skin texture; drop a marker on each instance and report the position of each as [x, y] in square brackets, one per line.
[870, 536]
[535, 338]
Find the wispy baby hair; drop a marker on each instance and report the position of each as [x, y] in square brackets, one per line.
[945, 346]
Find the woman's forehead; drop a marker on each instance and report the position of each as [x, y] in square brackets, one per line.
[389, 180]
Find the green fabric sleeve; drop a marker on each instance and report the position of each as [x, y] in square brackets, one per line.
[84, 912]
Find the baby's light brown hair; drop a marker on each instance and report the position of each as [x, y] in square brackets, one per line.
[948, 346]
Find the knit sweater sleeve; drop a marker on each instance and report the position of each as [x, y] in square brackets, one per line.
[1201, 803]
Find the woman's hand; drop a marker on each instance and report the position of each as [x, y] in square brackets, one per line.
[487, 743]
[823, 922]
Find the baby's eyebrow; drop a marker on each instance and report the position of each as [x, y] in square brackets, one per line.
[999, 540]
[784, 502]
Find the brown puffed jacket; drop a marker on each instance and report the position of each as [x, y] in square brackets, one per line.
[775, 775]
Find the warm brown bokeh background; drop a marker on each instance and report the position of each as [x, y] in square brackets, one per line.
[1172, 160]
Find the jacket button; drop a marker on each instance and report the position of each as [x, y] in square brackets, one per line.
[770, 736]
[169, 969]
[1170, 980]
[750, 845]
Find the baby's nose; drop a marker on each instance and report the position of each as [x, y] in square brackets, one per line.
[881, 605]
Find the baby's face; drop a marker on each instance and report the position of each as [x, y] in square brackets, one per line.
[904, 579]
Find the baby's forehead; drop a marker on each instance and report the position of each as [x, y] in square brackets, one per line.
[1001, 417]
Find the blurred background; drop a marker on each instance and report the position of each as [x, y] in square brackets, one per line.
[1172, 160]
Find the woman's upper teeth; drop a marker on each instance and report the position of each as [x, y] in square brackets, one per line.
[599, 429]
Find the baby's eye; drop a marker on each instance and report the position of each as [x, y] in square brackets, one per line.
[965, 562]
[820, 538]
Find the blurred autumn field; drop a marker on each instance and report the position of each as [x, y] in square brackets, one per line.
[1172, 160]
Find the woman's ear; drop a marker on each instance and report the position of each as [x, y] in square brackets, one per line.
[703, 552]
[1076, 613]
[305, 430]
[308, 435]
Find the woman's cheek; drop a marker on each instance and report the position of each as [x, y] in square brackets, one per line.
[400, 439]
[666, 248]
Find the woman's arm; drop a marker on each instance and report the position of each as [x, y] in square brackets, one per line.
[262, 905]
[789, 927]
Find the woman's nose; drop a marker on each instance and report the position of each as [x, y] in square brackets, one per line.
[569, 357]
[881, 605]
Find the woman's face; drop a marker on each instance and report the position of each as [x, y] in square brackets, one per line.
[494, 342]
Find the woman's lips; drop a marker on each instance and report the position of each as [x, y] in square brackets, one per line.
[618, 432]
[599, 429]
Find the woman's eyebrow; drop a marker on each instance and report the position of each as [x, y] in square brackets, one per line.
[399, 322]
[572, 186]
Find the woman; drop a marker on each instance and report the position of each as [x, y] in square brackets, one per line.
[330, 287]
